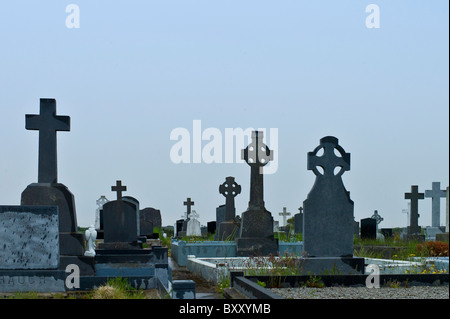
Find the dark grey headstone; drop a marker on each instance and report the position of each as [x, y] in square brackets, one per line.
[135, 202]
[220, 214]
[211, 227]
[120, 222]
[298, 223]
[368, 228]
[328, 209]
[152, 215]
[179, 224]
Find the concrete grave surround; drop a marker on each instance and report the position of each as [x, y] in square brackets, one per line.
[29, 237]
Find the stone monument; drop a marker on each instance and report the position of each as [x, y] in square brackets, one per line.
[228, 228]
[256, 230]
[193, 225]
[298, 221]
[414, 230]
[48, 191]
[435, 194]
[120, 222]
[328, 221]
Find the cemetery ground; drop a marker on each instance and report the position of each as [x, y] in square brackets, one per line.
[312, 288]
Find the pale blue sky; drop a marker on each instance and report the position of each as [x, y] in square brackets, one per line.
[136, 70]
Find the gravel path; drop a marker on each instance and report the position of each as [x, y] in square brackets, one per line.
[414, 292]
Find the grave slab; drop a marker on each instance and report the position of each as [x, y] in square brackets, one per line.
[29, 237]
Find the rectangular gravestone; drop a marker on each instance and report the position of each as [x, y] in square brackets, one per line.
[211, 227]
[368, 228]
[29, 237]
[179, 227]
[120, 225]
[298, 223]
[29, 250]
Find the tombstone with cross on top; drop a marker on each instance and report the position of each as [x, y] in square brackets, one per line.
[48, 191]
[120, 221]
[256, 230]
[328, 210]
[228, 227]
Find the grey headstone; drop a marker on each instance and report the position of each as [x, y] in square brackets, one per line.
[120, 222]
[29, 237]
[298, 221]
[328, 210]
[153, 215]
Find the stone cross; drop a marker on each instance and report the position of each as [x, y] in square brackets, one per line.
[284, 214]
[378, 219]
[119, 189]
[406, 211]
[300, 209]
[329, 160]
[101, 201]
[435, 194]
[257, 155]
[414, 197]
[189, 204]
[47, 123]
[230, 189]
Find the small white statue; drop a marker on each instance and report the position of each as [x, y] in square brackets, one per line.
[91, 236]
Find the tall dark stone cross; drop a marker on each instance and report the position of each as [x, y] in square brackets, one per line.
[189, 204]
[47, 123]
[414, 197]
[257, 155]
[119, 189]
[256, 232]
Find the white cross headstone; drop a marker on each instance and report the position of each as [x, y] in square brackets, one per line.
[193, 225]
[284, 213]
[435, 193]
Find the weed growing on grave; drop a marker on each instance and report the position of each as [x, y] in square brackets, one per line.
[223, 283]
[274, 267]
[261, 283]
[118, 288]
[314, 282]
